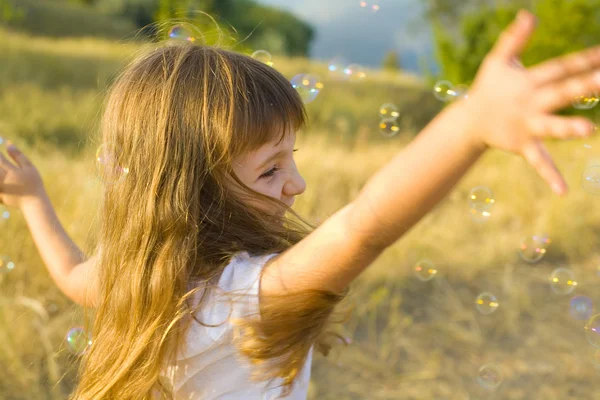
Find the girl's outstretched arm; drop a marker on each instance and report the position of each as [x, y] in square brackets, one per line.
[509, 108]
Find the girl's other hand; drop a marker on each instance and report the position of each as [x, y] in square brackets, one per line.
[18, 183]
[512, 106]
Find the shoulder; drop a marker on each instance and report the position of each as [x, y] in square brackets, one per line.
[243, 272]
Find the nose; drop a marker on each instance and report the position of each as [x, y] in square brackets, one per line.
[294, 186]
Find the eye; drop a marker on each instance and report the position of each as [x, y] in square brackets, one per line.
[269, 173]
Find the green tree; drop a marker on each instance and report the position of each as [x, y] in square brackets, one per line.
[391, 61]
[9, 12]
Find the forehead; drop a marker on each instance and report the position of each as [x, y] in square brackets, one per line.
[267, 149]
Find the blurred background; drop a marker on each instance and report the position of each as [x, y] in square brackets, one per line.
[491, 296]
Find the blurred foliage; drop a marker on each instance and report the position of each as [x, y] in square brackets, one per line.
[8, 12]
[464, 33]
[391, 61]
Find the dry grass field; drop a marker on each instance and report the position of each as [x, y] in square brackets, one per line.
[410, 339]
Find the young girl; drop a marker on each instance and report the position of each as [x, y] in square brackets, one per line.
[207, 136]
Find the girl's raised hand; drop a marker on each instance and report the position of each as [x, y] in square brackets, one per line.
[19, 183]
[513, 106]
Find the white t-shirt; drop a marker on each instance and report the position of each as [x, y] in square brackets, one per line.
[211, 367]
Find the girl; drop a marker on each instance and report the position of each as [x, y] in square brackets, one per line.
[208, 138]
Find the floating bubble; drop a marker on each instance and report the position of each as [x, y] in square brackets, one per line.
[533, 248]
[308, 86]
[337, 68]
[425, 270]
[78, 341]
[389, 127]
[180, 32]
[108, 168]
[590, 180]
[489, 376]
[481, 201]
[592, 330]
[586, 102]
[375, 7]
[486, 303]
[562, 281]
[581, 308]
[443, 91]
[388, 110]
[355, 72]
[4, 213]
[459, 92]
[263, 56]
[6, 264]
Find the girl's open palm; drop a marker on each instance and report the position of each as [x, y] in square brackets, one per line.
[19, 183]
[514, 105]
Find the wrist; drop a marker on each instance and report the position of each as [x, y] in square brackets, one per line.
[468, 115]
[39, 200]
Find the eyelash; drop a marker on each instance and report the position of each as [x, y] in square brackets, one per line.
[271, 172]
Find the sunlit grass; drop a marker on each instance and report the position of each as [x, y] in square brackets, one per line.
[412, 339]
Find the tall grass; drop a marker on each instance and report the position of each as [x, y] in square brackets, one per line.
[411, 339]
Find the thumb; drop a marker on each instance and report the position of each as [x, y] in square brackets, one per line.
[512, 40]
[17, 155]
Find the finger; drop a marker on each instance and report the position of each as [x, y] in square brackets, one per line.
[539, 158]
[568, 65]
[561, 127]
[512, 40]
[16, 155]
[561, 94]
[5, 165]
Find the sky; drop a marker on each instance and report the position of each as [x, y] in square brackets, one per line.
[362, 36]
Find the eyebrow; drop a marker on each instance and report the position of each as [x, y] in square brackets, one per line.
[272, 157]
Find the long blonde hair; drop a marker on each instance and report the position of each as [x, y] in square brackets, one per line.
[175, 117]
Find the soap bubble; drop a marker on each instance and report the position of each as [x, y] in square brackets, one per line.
[586, 102]
[486, 303]
[355, 72]
[108, 168]
[590, 181]
[389, 127]
[4, 213]
[263, 56]
[481, 201]
[581, 308]
[592, 330]
[6, 265]
[489, 376]
[562, 281]
[179, 32]
[443, 91]
[78, 341]
[388, 110]
[425, 270]
[308, 86]
[533, 248]
[337, 68]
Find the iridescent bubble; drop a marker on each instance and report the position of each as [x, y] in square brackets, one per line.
[389, 127]
[108, 168]
[459, 92]
[586, 102]
[533, 248]
[443, 91]
[375, 7]
[78, 341]
[355, 72]
[6, 264]
[308, 86]
[4, 213]
[263, 56]
[425, 270]
[581, 308]
[481, 201]
[489, 376]
[592, 330]
[562, 281]
[486, 303]
[388, 110]
[590, 179]
[336, 68]
[180, 32]
[363, 4]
